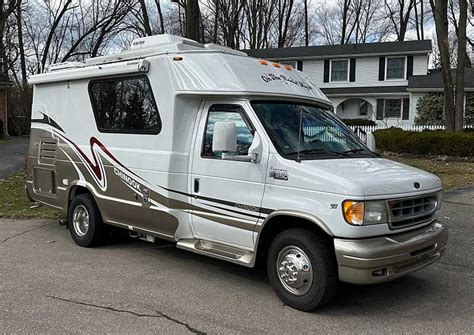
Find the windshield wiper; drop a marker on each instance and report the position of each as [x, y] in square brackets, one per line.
[354, 151]
[319, 151]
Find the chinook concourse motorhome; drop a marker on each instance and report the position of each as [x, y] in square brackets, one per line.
[231, 157]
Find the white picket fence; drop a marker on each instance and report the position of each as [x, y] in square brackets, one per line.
[408, 128]
[322, 133]
[362, 131]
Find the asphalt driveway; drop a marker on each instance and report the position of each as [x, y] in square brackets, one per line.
[49, 285]
[12, 155]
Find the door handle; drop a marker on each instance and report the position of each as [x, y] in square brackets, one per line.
[196, 185]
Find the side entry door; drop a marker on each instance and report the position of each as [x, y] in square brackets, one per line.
[227, 193]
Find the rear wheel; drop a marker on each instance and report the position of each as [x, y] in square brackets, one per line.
[85, 221]
[302, 269]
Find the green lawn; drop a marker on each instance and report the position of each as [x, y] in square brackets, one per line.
[15, 204]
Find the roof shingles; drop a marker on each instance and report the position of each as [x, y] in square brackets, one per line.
[342, 50]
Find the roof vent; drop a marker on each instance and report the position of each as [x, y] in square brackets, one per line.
[161, 40]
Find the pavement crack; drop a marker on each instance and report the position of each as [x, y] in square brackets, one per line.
[112, 309]
[24, 232]
[191, 329]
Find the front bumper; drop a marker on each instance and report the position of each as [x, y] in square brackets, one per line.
[381, 259]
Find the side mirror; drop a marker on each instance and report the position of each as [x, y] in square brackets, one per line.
[371, 141]
[225, 137]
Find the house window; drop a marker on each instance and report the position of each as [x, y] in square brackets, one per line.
[395, 68]
[393, 108]
[340, 70]
[125, 105]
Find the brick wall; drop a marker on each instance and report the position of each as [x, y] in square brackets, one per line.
[3, 106]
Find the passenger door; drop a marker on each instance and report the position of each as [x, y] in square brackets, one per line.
[227, 194]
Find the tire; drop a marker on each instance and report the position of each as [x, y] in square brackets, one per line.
[312, 258]
[85, 221]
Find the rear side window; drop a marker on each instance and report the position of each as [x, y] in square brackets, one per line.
[125, 105]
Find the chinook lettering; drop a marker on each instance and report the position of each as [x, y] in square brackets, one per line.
[127, 180]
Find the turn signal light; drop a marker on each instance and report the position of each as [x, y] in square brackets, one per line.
[177, 58]
[353, 212]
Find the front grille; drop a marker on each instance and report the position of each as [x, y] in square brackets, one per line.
[411, 211]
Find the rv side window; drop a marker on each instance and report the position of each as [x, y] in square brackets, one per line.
[221, 113]
[125, 105]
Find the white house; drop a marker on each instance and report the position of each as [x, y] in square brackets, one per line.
[364, 81]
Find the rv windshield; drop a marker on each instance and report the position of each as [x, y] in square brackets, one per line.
[302, 131]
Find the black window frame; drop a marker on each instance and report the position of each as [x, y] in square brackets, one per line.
[123, 131]
[234, 108]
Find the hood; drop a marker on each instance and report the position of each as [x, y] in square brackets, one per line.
[373, 176]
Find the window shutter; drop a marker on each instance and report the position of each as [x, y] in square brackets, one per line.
[352, 70]
[406, 109]
[379, 114]
[381, 68]
[299, 65]
[326, 71]
[409, 66]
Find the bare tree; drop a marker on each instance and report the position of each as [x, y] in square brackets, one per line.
[399, 14]
[5, 11]
[160, 16]
[146, 19]
[193, 20]
[440, 12]
[260, 16]
[462, 60]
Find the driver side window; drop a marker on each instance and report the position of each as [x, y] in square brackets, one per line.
[225, 113]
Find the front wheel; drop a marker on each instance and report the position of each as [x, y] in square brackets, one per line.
[85, 221]
[302, 269]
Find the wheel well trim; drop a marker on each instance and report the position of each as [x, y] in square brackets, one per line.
[292, 213]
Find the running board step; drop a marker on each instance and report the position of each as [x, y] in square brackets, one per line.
[220, 251]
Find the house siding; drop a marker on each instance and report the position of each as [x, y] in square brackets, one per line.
[367, 72]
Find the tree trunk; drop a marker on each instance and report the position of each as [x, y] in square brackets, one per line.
[21, 49]
[459, 117]
[160, 16]
[216, 22]
[192, 19]
[440, 13]
[306, 32]
[146, 19]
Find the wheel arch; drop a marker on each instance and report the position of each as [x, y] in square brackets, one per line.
[281, 220]
[76, 189]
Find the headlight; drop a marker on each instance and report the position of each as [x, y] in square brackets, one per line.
[360, 213]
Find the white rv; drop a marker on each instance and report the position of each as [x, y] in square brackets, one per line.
[231, 157]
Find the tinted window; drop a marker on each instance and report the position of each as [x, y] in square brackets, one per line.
[125, 105]
[227, 114]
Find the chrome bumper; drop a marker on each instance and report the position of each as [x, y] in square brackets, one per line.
[381, 259]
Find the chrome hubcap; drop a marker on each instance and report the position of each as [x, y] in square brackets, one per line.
[294, 270]
[80, 220]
